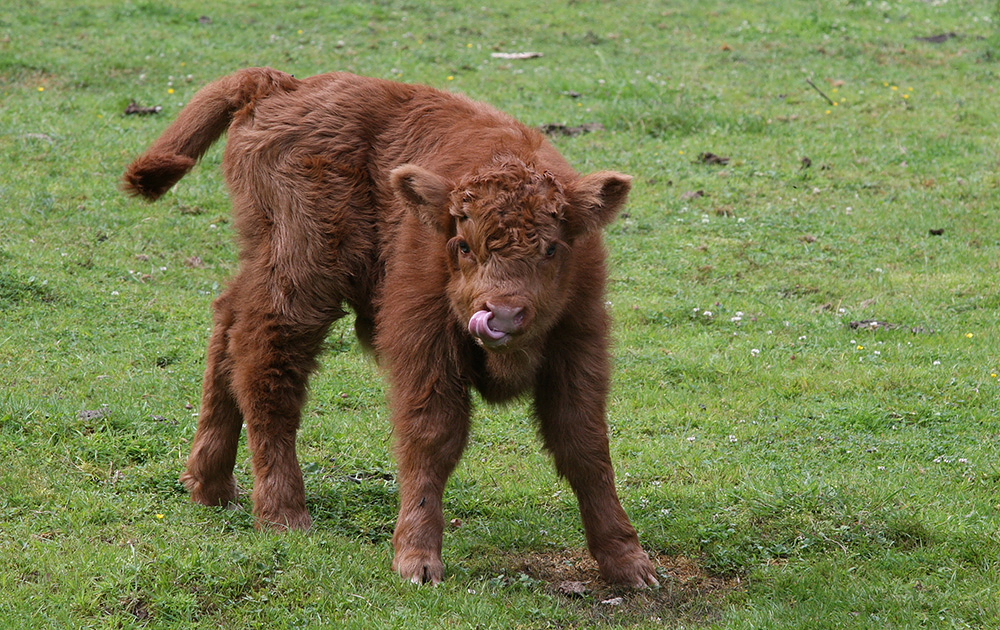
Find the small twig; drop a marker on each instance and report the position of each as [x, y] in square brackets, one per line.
[828, 99]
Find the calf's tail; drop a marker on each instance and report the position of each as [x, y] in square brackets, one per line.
[200, 124]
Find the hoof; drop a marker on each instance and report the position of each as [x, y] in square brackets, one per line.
[419, 567]
[284, 522]
[221, 492]
[632, 569]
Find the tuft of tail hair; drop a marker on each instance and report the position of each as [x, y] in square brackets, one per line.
[200, 124]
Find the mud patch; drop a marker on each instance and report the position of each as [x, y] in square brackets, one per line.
[937, 39]
[687, 594]
[556, 129]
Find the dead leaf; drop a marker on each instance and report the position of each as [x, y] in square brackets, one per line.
[94, 414]
[573, 589]
[516, 55]
[136, 109]
[711, 158]
[692, 194]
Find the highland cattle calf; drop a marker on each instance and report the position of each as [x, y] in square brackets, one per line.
[470, 254]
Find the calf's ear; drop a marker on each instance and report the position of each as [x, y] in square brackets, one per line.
[596, 199]
[425, 193]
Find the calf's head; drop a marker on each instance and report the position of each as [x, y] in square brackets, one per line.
[512, 235]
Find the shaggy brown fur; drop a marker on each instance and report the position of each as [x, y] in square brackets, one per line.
[470, 253]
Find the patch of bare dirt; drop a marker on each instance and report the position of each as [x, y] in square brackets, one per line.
[687, 593]
[937, 39]
[557, 129]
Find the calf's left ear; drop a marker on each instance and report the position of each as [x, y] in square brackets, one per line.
[424, 192]
[596, 199]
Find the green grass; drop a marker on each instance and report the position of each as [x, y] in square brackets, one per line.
[787, 469]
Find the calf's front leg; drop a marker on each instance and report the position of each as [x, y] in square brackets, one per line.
[570, 403]
[430, 437]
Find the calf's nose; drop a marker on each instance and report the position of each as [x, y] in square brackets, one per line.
[506, 318]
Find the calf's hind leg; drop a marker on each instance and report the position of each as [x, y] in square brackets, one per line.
[209, 475]
[272, 363]
[259, 366]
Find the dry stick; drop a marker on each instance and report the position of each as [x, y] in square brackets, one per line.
[828, 99]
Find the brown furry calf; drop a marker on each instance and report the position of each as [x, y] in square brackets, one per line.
[471, 254]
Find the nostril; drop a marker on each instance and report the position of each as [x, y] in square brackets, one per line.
[506, 318]
[507, 312]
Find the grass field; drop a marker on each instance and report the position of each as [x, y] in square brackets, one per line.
[789, 463]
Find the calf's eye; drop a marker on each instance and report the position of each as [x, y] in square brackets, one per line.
[464, 247]
[551, 250]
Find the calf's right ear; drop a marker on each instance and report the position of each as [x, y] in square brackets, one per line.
[425, 193]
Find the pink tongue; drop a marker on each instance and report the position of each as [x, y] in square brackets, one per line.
[479, 326]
